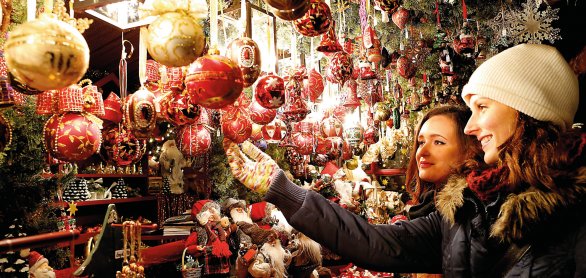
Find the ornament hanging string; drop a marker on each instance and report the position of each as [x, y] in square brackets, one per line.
[122, 67]
[142, 56]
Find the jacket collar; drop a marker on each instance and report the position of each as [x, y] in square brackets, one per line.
[520, 212]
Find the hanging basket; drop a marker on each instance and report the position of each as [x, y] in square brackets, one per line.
[189, 272]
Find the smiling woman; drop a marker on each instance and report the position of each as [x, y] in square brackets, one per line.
[440, 148]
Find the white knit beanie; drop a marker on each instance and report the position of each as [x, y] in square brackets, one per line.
[534, 79]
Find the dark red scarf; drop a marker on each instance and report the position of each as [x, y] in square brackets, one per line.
[489, 182]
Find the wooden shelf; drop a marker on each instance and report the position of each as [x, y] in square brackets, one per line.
[108, 201]
[82, 239]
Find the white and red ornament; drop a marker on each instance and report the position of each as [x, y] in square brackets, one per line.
[274, 131]
[340, 67]
[270, 91]
[194, 140]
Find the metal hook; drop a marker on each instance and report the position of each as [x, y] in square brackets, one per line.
[124, 56]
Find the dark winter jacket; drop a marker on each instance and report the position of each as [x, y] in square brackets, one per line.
[464, 238]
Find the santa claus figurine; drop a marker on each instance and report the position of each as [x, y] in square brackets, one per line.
[39, 266]
[209, 240]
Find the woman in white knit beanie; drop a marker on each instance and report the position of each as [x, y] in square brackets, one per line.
[521, 215]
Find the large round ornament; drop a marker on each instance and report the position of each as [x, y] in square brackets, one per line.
[72, 137]
[245, 52]
[316, 21]
[260, 115]
[179, 109]
[194, 140]
[340, 67]
[5, 133]
[304, 140]
[139, 113]
[46, 54]
[175, 39]
[270, 91]
[236, 125]
[405, 67]
[121, 147]
[215, 81]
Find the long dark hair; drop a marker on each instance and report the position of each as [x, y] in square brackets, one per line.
[532, 154]
[473, 153]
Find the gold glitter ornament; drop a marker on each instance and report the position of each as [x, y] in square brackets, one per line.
[46, 53]
[175, 39]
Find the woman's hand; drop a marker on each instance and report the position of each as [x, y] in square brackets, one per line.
[252, 167]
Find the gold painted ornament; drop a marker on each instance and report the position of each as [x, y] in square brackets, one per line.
[245, 52]
[46, 54]
[175, 39]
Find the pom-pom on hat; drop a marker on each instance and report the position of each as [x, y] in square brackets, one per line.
[534, 79]
[35, 260]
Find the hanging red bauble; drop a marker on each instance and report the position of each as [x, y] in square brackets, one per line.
[350, 95]
[295, 108]
[274, 131]
[284, 5]
[261, 115]
[316, 21]
[194, 140]
[293, 13]
[400, 17]
[405, 67]
[331, 146]
[332, 127]
[72, 137]
[245, 52]
[215, 81]
[236, 125]
[329, 42]
[270, 91]
[179, 109]
[388, 6]
[340, 67]
[121, 147]
[371, 135]
[139, 113]
[313, 85]
[304, 140]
